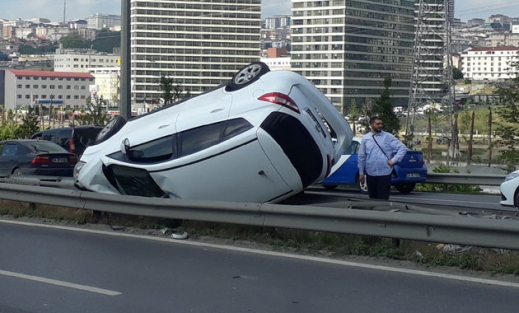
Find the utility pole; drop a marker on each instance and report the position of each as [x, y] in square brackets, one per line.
[125, 105]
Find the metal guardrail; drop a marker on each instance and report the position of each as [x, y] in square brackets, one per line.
[464, 179]
[464, 230]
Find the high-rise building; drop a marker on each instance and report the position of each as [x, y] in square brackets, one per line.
[100, 21]
[200, 44]
[347, 48]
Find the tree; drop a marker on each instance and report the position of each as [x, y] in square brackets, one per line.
[107, 40]
[30, 125]
[508, 126]
[172, 91]
[75, 41]
[95, 112]
[354, 114]
[457, 73]
[384, 109]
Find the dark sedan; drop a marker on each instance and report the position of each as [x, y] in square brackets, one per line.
[35, 157]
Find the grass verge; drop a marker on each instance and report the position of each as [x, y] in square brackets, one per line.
[493, 261]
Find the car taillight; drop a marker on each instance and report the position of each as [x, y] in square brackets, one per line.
[281, 99]
[72, 145]
[41, 160]
[73, 159]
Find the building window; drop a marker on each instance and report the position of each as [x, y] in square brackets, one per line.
[68, 86]
[35, 86]
[76, 97]
[18, 86]
[68, 96]
[60, 97]
[52, 87]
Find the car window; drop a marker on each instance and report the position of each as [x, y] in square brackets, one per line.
[154, 151]
[44, 147]
[86, 136]
[235, 127]
[353, 148]
[184, 143]
[9, 149]
[200, 138]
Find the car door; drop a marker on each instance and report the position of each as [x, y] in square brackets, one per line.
[7, 158]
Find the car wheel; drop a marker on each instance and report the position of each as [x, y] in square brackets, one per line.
[330, 187]
[516, 199]
[247, 76]
[363, 187]
[110, 129]
[17, 172]
[405, 188]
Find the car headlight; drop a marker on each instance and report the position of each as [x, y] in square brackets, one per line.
[77, 169]
[511, 176]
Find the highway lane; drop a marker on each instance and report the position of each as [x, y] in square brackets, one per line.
[44, 269]
[316, 195]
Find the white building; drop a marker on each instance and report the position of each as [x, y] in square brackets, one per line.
[276, 64]
[99, 21]
[107, 83]
[83, 60]
[200, 44]
[489, 63]
[26, 88]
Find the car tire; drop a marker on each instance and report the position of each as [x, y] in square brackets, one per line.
[247, 75]
[516, 199]
[110, 129]
[330, 187]
[17, 172]
[405, 187]
[363, 188]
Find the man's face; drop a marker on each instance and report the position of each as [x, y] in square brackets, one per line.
[377, 126]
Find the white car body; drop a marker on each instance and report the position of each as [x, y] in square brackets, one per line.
[510, 190]
[251, 166]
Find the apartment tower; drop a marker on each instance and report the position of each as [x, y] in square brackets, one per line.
[198, 43]
[347, 48]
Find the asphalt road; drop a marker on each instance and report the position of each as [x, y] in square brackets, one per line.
[44, 269]
[317, 195]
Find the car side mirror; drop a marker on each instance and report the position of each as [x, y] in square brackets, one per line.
[125, 146]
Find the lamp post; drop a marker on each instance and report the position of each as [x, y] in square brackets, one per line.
[50, 111]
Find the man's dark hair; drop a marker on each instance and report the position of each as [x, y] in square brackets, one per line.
[373, 119]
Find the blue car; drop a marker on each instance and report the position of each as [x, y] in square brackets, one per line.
[410, 170]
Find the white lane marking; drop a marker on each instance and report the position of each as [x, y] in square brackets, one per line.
[60, 283]
[280, 254]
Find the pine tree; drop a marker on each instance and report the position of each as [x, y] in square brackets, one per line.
[384, 109]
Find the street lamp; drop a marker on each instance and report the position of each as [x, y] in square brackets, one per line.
[50, 110]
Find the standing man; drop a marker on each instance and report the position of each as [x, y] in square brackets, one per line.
[378, 152]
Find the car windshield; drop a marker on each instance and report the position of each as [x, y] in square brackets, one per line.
[45, 147]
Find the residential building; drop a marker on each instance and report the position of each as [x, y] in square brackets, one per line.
[277, 21]
[348, 48]
[200, 44]
[25, 88]
[489, 64]
[99, 21]
[504, 39]
[277, 59]
[82, 60]
[107, 84]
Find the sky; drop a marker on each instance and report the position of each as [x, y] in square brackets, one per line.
[53, 9]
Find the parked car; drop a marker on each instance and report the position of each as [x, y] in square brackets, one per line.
[262, 137]
[73, 139]
[510, 190]
[35, 157]
[410, 170]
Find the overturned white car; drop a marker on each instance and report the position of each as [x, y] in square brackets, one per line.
[262, 137]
